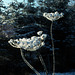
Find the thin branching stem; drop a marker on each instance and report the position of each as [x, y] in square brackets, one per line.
[52, 48]
[42, 62]
[37, 73]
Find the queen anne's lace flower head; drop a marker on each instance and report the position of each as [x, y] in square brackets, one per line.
[39, 33]
[43, 36]
[53, 16]
[29, 44]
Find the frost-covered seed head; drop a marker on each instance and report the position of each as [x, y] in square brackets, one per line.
[43, 36]
[53, 16]
[36, 47]
[56, 13]
[30, 44]
[61, 14]
[33, 37]
[39, 32]
[10, 41]
[42, 44]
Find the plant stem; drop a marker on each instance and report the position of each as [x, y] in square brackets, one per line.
[37, 73]
[42, 62]
[52, 48]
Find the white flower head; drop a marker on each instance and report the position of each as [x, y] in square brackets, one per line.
[14, 43]
[23, 39]
[43, 36]
[33, 37]
[36, 47]
[39, 32]
[42, 44]
[29, 44]
[20, 45]
[53, 16]
[10, 41]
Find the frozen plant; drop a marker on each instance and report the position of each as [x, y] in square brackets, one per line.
[30, 44]
[52, 17]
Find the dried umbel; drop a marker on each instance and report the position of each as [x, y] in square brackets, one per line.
[29, 44]
[40, 32]
[53, 16]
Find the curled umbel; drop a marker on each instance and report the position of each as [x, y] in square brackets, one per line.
[29, 44]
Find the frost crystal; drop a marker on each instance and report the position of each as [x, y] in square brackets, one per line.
[53, 16]
[30, 44]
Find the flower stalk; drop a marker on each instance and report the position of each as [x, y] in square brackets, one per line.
[42, 62]
[30, 44]
[52, 17]
[37, 73]
[52, 48]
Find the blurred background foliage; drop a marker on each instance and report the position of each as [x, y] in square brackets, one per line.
[24, 19]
